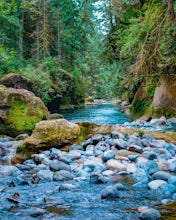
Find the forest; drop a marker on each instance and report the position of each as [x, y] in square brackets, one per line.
[103, 49]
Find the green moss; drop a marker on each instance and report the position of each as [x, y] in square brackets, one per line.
[139, 107]
[167, 112]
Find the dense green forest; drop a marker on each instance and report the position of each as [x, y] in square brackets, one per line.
[108, 48]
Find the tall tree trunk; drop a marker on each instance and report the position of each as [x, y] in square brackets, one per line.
[171, 12]
[59, 41]
[37, 44]
[21, 29]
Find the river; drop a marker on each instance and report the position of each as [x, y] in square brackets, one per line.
[98, 114]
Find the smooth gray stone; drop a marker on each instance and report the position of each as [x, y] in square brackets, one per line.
[55, 153]
[161, 175]
[116, 134]
[150, 214]
[57, 165]
[172, 166]
[107, 155]
[97, 178]
[62, 175]
[45, 176]
[66, 186]
[77, 147]
[155, 184]
[110, 192]
[96, 138]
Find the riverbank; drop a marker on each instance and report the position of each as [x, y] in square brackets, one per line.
[108, 176]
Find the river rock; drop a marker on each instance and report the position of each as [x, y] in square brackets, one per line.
[45, 176]
[150, 214]
[149, 166]
[135, 148]
[156, 183]
[20, 110]
[172, 165]
[172, 180]
[94, 166]
[97, 178]
[62, 175]
[48, 134]
[117, 135]
[8, 170]
[57, 165]
[110, 192]
[107, 155]
[161, 175]
[166, 190]
[66, 186]
[113, 164]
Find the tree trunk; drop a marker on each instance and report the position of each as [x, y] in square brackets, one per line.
[171, 12]
[37, 44]
[21, 30]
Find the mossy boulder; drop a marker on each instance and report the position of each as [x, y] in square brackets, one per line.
[20, 110]
[47, 134]
[17, 81]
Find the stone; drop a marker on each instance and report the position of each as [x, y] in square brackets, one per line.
[94, 166]
[76, 147]
[110, 192]
[108, 173]
[161, 175]
[74, 155]
[156, 184]
[113, 164]
[48, 134]
[56, 165]
[45, 176]
[133, 157]
[66, 186]
[172, 165]
[20, 110]
[8, 170]
[149, 166]
[172, 180]
[107, 155]
[21, 137]
[135, 148]
[116, 134]
[96, 138]
[97, 178]
[166, 190]
[150, 214]
[62, 175]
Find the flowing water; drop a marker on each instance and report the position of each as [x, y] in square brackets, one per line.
[99, 114]
[84, 202]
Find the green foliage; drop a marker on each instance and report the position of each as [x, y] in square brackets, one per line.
[41, 82]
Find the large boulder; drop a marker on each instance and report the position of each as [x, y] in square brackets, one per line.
[16, 81]
[48, 134]
[20, 110]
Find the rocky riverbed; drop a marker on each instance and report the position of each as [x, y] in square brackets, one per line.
[109, 176]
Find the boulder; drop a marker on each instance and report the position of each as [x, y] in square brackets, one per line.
[48, 134]
[20, 110]
[16, 81]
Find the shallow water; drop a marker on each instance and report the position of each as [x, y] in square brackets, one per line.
[83, 202]
[99, 114]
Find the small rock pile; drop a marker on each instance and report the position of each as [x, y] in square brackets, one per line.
[147, 162]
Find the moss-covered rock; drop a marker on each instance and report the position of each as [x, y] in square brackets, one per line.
[20, 110]
[48, 134]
